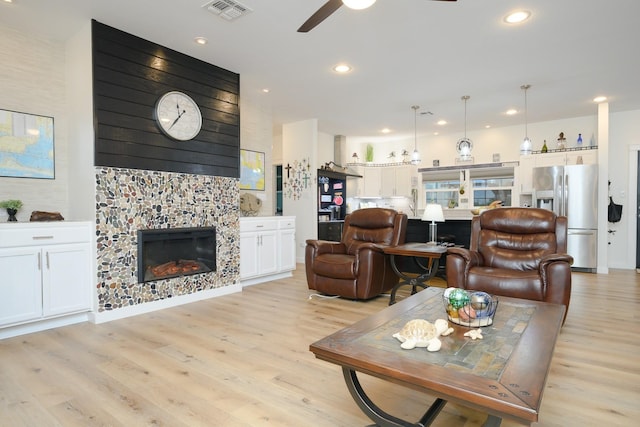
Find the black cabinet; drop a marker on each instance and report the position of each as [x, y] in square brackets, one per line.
[330, 230]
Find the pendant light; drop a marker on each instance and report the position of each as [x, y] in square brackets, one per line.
[415, 157]
[526, 147]
[464, 145]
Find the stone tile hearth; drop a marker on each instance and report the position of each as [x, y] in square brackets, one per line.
[128, 200]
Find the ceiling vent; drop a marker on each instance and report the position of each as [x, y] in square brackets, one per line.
[227, 9]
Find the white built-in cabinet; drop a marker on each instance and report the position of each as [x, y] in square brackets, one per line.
[45, 272]
[267, 248]
[388, 181]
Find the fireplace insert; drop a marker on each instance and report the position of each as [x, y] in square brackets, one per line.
[174, 252]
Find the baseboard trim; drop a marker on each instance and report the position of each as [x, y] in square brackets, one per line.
[262, 279]
[43, 325]
[134, 310]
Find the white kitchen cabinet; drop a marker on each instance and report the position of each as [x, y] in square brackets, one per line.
[267, 246]
[287, 244]
[355, 184]
[371, 182]
[561, 158]
[46, 272]
[388, 181]
[403, 183]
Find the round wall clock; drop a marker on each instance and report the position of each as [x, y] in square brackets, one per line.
[178, 116]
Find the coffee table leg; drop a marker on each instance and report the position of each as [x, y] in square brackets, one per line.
[380, 417]
[492, 421]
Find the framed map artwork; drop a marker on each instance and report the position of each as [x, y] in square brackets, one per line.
[26, 145]
[251, 170]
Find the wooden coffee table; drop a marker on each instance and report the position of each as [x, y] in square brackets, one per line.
[504, 374]
[426, 256]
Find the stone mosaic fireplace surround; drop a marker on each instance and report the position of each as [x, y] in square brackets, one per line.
[128, 200]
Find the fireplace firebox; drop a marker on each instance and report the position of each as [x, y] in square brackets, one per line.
[174, 252]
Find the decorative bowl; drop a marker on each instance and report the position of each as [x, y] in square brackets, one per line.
[469, 308]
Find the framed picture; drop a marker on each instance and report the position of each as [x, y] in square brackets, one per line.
[251, 170]
[26, 145]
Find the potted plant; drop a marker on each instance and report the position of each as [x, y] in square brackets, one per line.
[12, 207]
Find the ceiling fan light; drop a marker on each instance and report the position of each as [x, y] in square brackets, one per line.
[358, 4]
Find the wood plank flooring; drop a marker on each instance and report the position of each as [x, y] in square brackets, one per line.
[243, 360]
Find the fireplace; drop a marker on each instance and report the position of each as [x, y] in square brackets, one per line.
[174, 252]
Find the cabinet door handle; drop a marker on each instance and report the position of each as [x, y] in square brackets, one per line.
[39, 261]
[48, 267]
[42, 237]
[259, 226]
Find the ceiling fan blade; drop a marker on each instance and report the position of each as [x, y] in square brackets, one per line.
[321, 14]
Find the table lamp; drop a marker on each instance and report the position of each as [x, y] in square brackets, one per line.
[433, 212]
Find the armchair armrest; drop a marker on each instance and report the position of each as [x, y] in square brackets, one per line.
[459, 261]
[548, 259]
[555, 273]
[327, 247]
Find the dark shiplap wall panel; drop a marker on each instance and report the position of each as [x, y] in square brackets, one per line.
[129, 75]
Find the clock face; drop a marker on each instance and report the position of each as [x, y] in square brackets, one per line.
[178, 116]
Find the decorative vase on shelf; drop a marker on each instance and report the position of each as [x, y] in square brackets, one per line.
[12, 214]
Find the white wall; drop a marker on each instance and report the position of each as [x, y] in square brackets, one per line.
[79, 77]
[32, 80]
[300, 142]
[624, 136]
[256, 135]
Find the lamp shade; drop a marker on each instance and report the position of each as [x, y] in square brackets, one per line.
[433, 212]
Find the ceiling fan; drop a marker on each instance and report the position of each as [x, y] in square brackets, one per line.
[331, 6]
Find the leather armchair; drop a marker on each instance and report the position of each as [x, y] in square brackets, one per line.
[515, 252]
[357, 267]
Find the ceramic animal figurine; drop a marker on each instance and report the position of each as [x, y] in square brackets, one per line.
[421, 333]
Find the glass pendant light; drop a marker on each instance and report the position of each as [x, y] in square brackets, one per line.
[415, 157]
[526, 147]
[464, 145]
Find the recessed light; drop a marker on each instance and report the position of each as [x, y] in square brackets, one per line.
[599, 99]
[266, 90]
[386, 130]
[511, 112]
[8, 1]
[200, 40]
[517, 17]
[342, 68]
[436, 133]
[441, 122]
[487, 126]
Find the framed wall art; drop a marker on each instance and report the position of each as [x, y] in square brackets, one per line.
[251, 170]
[26, 145]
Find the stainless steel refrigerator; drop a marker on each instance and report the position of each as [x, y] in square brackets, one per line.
[572, 191]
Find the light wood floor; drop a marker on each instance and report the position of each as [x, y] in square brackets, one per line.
[243, 360]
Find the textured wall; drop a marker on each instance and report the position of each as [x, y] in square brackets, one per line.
[128, 200]
[32, 80]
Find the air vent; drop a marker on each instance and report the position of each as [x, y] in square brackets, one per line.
[227, 9]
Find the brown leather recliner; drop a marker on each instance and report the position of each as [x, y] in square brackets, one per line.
[357, 267]
[515, 252]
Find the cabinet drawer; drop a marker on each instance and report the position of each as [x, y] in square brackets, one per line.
[284, 224]
[38, 236]
[258, 225]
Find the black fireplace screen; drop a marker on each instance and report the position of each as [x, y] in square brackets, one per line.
[173, 252]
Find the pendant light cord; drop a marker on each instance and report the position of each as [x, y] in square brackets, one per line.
[526, 109]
